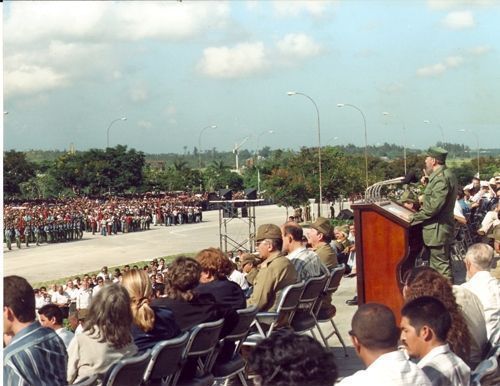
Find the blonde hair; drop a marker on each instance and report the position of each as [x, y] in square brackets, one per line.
[139, 288]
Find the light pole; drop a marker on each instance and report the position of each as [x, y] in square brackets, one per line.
[199, 141]
[404, 138]
[477, 145]
[292, 93]
[427, 122]
[366, 137]
[258, 161]
[236, 151]
[109, 127]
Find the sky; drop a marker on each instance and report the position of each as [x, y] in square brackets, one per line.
[72, 69]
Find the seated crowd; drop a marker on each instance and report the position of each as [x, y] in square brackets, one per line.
[445, 330]
[43, 221]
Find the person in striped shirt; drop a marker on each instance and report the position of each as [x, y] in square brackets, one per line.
[35, 355]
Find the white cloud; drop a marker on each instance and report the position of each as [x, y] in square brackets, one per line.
[144, 124]
[432, 70]
[138, 93]
[298, 45]
[29, 79]
[453, 61]
[299, 7]
[448, 4]
[479, 50]
[459, 20]
[242, 60]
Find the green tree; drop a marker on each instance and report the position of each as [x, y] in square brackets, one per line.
[16, 170]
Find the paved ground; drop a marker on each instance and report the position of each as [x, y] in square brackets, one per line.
[53, 261]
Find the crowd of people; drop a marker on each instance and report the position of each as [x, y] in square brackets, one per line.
[447, 330]
[43, 221]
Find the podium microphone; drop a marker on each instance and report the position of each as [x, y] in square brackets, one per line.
[409, 178]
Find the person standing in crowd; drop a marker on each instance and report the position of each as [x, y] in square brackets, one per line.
[276, 271]
[436, 213]
[35, 355]
[84, 295]
[106, 337]
[478, 261]
[151, 323]
[375, 336]
[51, 316]
[425, 324]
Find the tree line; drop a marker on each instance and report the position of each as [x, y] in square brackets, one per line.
[287, 177]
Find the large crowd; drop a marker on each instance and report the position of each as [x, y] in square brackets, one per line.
[52, 221]
[447, 330]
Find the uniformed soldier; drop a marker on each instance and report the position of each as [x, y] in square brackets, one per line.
[8, 236]
[436, 213]
[17, 233]
[276, 271]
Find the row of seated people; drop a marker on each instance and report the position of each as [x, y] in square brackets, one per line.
[432, 332]
[185, 297]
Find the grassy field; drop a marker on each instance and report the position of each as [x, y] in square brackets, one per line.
[141, 264]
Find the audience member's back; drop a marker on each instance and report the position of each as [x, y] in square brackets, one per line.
[35, 355]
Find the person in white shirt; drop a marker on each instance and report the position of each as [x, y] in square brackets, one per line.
[425, 323]
[480, 281]
[51, 317]
[84, 296]
[375, 338]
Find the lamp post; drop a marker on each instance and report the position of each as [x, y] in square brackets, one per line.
[366, 136]
[477, 145]
[236, 151]
[258, 161]
[292, 93]
[428, 122]
[109, 127]
[199, 141]
[404, 138]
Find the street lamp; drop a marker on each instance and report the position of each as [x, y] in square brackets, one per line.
[477, 144]
[366, 137]
[257, 163]
[236, 151]
[404, 138]
[109, 127]
[427, 122]
[199, 141]
[292, 93]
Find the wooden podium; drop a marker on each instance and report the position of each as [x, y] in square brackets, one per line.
[386, 247]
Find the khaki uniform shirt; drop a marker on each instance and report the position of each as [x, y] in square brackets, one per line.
[436, 213]
[275, 273]
[327, 255]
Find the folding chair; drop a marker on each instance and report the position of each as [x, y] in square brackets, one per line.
[201, 348]
[304, 319]
[332, 286]
[128, 371]
[88, 381]
[167, 359]
[236, 365]
[283, 315]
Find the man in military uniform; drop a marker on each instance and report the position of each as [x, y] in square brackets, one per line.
[436, 213]
[276, 271]
[320, 237]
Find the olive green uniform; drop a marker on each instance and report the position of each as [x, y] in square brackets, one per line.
[327, 256]
[275, 273]
[436, 216]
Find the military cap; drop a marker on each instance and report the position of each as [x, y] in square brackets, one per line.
[247, 258]
[438, 153]
[268, 231]
[408, 196]
[322, 225]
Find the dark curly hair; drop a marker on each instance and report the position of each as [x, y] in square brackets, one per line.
[425, 281]
[182, 277]
[290, 359]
